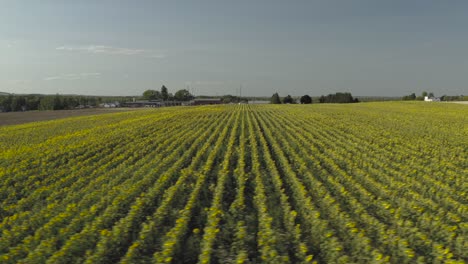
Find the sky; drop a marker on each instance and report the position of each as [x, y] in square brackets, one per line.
[315, 47]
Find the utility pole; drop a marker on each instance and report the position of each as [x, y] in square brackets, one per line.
[240, 93]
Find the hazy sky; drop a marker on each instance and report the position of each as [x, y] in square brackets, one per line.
[111, 47]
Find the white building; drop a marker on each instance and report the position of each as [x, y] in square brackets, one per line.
[431, 99]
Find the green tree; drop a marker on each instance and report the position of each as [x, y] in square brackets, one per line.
[306, 99]
[32, 103]
[424, 94]
[164, 93]
[151, 95]
[18, 103]
[275, 99]
[409, 97]
[338, 98]
[183, 95]
[46, 103]
[7, 102]
[58, 104]
[288, 100]
[322, 99]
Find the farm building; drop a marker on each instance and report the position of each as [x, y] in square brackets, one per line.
[151, 103]
[431, 99]
[210, 101]
[143, 104]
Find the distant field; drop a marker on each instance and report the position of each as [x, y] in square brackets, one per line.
[14, 118]
[357, 183]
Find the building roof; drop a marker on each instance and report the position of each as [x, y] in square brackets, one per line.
[207, 99]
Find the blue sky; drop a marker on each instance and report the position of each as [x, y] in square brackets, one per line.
[366, 47]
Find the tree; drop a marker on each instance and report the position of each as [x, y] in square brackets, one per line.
[18, 103]
[32, 103]
[151, 95]
[183, 95]
[7, 102]
[288, 100]
[322, 99]
[228, 99]
[306, 99]
[431, 95]
[46, 103]
[164, 93]
[424, 94]
[275, 99]
[58, 104]
[338, 98]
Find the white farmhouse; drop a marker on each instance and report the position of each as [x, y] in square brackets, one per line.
[431, 99]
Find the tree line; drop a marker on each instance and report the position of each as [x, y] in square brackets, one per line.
[413, 97]
[185, 95]
[31, 102]
[306, 99]
[164, 95]
[15, 103]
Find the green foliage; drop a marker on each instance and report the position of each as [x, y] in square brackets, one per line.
[275, 99]
[183, 95]
[288, 100]
[6, 102]
[227, 99]
[46, 103]
[410, 97]
[454, 98]
[306, 99]
[238, 184]
[164, 93]
[53, 102]
[152, 95]
[338, 98]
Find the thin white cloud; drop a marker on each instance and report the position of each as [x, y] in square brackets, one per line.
[109, 50]
[19, 82]
[158, 56]
[208, 83]
[73, 76]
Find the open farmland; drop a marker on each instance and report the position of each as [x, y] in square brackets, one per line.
[15, 118]
[360, 183]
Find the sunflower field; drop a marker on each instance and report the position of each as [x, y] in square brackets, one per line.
[329, 183]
